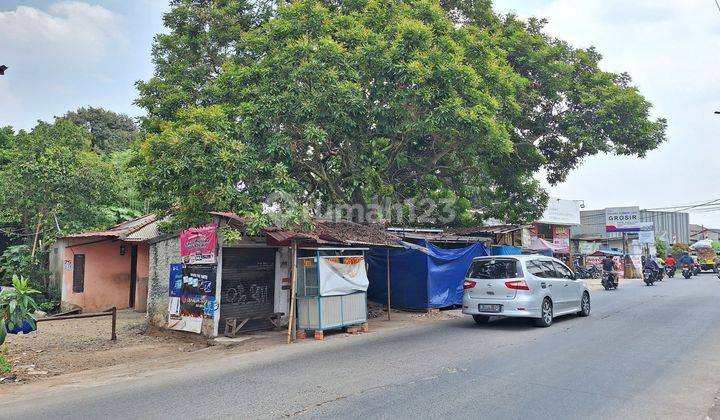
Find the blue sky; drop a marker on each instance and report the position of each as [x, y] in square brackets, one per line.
[67, 54]
[63, 55]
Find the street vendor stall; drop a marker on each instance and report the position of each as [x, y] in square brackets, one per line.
[331, 288]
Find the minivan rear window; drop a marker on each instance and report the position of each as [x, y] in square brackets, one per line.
[495, 269]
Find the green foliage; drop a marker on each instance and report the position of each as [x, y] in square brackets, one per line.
[716, 246]
[5, 365]
[17, 305]
[55, 179]
[128, 203]
[661, 248]
[359, 102]
[678, 249]
[15, 261]
[110, 131]
[200, 37]
[7, 140]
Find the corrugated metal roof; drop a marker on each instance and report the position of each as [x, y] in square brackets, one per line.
[145, 233]
[486, 230]
[139, 229]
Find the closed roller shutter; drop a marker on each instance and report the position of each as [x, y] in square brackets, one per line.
[248, 285]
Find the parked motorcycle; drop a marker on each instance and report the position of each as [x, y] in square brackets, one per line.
[609, 281]
[670, 270]
[581, 272]
[595, 272]
[686, 271]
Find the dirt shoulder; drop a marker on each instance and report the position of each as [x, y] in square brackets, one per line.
[68, 346]
[66, 353]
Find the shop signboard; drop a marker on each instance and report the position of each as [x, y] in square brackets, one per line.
[622, 219]
[588, 247]
[561, 239]
[197, 245]
[646, 235]
[561, 212]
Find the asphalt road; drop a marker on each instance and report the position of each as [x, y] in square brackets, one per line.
[645, 352]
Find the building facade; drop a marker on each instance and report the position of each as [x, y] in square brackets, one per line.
[670, 227]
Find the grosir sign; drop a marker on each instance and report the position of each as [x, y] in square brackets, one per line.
[622, 219]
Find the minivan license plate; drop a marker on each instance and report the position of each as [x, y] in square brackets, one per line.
[489, 308]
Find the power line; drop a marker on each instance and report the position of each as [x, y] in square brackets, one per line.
[717, 4]
[680, 206]
[698, 205]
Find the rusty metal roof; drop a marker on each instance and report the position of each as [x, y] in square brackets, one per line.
[139, 229]
[335, 232]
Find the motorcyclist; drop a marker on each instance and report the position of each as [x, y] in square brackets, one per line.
[669, 261]
[687, 259]
[652, 265]
[608, 266]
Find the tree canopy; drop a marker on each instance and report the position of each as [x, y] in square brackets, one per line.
[109, 131]
[355, 102]
[54, 179]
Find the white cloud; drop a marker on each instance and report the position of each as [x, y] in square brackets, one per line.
[71, 32]
[670, 48]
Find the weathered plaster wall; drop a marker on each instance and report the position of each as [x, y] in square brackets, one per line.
[162, 254]
[107, 275]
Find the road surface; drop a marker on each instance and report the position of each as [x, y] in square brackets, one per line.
[645, 352]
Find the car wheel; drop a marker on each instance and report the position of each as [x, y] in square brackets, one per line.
[585, 305]
[481, 319]
[546, 314]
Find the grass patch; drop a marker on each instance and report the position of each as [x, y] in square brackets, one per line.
[5, 366]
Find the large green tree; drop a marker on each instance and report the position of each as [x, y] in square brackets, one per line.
[109, 131]
[55, 180]
[359, 101]
[202, 36]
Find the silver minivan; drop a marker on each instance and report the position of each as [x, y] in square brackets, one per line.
[528, 286]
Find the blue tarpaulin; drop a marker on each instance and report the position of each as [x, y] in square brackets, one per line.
[422, 276]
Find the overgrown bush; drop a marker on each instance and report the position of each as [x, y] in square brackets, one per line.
[5, 365]
[679, 249]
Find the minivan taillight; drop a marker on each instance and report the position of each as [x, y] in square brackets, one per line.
[517, 285]
[469, 284]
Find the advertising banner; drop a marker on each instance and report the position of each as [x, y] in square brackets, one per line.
[561, 212]
[192, 296]
[197, 245]
[176, 280]
[588, 247]
[561, 239]
[646, 235]
[622, 219]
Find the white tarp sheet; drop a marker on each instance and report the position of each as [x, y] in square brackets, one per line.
[342, 275]
[705, 243]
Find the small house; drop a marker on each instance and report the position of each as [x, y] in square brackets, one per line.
[101, 269]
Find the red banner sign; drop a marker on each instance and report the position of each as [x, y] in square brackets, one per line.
[197, 245]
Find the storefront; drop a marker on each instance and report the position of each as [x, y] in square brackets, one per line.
[201, 283]
[554, 226]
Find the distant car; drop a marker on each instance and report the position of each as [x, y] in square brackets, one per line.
[528, 286]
